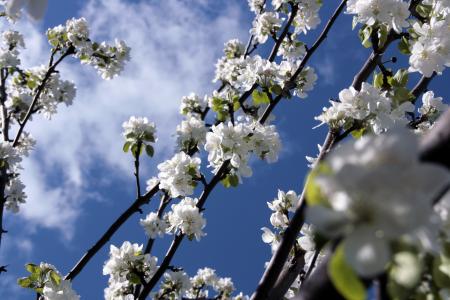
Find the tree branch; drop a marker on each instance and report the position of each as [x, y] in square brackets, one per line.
[40, 89]
[278, 260]
[134, 208]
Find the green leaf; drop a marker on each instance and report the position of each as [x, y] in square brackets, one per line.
[401, 94]
[55, 278]
[403, 46]
[276, 89]
[314, 195]
[400, 79]
[382, 35]
[260, 97]
[134, 278]
[24, 282]
[378, 80]
[231, 180]
[32, 268]
[126, 146]
[344, 278]
[358, 133]
[424, 10]
[149, 150]
[364, 35]
[441, 271]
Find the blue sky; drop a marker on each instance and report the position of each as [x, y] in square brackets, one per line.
[78, 180]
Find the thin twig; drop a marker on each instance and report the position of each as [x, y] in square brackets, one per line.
[134, 208]
[277, 262]
[40, 89]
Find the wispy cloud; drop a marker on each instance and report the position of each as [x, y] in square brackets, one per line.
[174, 47]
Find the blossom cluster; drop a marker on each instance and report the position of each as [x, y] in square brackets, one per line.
[430, 46]
[24, 88]
[432, 107]
[179, 175]
[47, 281]
[10, 158]
[109, 60]
[376, 192]
[139, 133]
[285, 203]
[191, 133]
[242, 73]
[186, 217]
[12, 41]
[127, 267]
[370, 106]
[307, 17]
[393, 13]
[178, 285]
[235, 143]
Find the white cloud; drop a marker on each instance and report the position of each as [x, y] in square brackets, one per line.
[327, 70]
[174, 47]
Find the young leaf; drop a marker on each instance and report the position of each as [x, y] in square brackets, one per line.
[149, 150]
[378, 80]
[24, 282]
[344, 278]
[55, 278]
[231, 180]
[314, 195]
[260, 97]
[403, 46]
[126, 146]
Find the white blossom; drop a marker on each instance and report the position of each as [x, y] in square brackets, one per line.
[368, 105]
[153, 225]
[378, 192]
[78, 32]
[225, 286]
[264, 25]
[233, 48]
[192, 104]
[15, 195]
[13, 39]
[307, 17]
[205, 277]
[228, 142]
[178, 175]
[186, 217]
[126, 258]
[256, 5]
[56, 91]
[392, 13]
[176, 282]
[432, 106]
[285, 201]
[191, 133]
[139, 128]
[63, 291]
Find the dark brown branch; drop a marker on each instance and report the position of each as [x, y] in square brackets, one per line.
[40, 89]
[422, 85]
[278, 260]
[435, 146]
[179, 237]
[136, 170]
[134, 208]
[283, 34]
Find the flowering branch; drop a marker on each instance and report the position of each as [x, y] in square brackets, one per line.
[40, 89]
[277, 262]
[434, 148]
